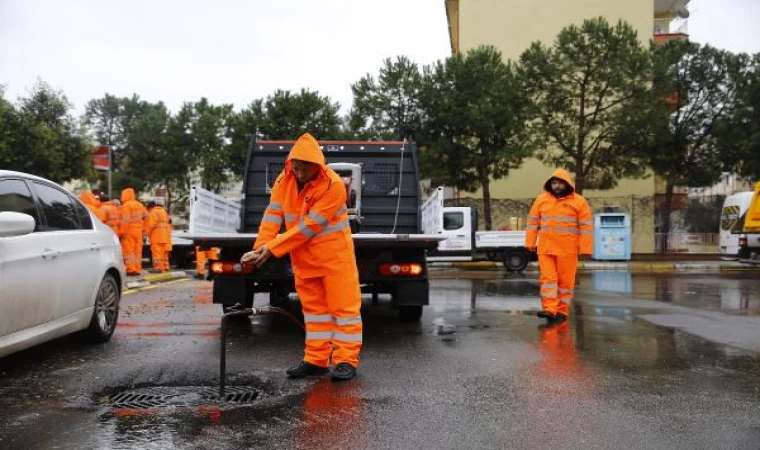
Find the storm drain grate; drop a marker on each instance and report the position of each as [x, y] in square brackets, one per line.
[162, 397]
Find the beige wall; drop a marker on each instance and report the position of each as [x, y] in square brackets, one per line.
[512, 25]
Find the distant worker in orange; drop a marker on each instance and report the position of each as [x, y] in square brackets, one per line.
[159, 231]
[91, 202]
[560, 220]
[109, 213]
[309, 199]
[201, 256]
[133, 218]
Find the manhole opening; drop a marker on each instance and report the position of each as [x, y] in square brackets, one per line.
[165, 396]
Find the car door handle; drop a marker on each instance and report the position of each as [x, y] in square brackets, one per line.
[461, 235]
[50, 254]
[94, 247]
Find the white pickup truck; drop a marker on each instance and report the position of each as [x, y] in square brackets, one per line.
[464, 243]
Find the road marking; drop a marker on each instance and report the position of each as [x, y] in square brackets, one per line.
[152, 286]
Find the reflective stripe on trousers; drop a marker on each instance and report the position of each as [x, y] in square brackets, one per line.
[557, 281]
[332, 312]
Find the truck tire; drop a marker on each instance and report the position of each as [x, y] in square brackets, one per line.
[515, 260]
[410, 313]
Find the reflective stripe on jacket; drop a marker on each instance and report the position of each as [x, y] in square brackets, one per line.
[111, 216]
[562, 226]
[133, 214]
[317, 233]
[158, 229]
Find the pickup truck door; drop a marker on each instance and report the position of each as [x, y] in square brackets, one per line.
[456, 226]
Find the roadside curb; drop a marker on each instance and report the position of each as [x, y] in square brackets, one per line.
[633, 266]
[152, 278]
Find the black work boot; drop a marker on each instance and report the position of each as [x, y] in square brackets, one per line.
[559, 318]
[546, 315]
[304, 369]
[343, 371]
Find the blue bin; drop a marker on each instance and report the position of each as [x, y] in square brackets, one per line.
[612, 236]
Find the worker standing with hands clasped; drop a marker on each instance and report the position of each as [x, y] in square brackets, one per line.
[133, 218]
[560, 220]
[160, 233]
[309, 199]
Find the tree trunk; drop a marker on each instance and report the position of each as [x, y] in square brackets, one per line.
[580, 177]
[168, 197]
[668, 207]
[486, 184]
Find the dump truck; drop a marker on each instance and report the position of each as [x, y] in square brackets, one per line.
[383, 201]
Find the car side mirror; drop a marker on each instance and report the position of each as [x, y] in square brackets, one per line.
[15, 224]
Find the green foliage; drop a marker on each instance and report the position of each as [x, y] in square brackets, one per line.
[284, 115]
[588, 99]
[704, 217]
[472, 129]
[42, 138]
[739, 131]
[387, 108]
[695, 88]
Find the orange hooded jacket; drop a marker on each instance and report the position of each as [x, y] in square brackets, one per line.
[92, 203]
[159, 229]
[110, 216]
[133, 214]
[317, 233]
[562, 226]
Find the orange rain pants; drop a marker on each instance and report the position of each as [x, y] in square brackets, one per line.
[557, 281]
[333, 327]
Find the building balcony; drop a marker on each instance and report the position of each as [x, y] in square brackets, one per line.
[671, 20]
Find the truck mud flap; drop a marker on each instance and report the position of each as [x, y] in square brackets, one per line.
[412, 293]
[229, 290]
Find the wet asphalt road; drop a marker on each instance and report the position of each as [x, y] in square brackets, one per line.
[647, 361]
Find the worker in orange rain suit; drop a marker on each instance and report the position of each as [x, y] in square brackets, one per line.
[201, 256]
[92, 203]
[159, 231]
[134, 218]
[309, 198]
[109, 213]
[560, 220]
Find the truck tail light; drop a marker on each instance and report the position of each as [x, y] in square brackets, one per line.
[402, 269]
[742, 240]
[230, 268]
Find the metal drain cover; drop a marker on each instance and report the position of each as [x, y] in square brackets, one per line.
[166, 396]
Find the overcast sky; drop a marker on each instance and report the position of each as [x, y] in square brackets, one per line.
[234, 51]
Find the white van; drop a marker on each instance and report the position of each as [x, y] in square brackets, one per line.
[734, 208]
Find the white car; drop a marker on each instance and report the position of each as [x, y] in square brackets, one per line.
[61, 269]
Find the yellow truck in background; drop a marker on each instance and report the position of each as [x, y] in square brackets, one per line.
[749, 239]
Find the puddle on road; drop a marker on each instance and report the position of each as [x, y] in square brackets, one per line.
[729, 293]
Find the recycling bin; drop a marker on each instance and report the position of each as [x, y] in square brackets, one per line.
[612, 236]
